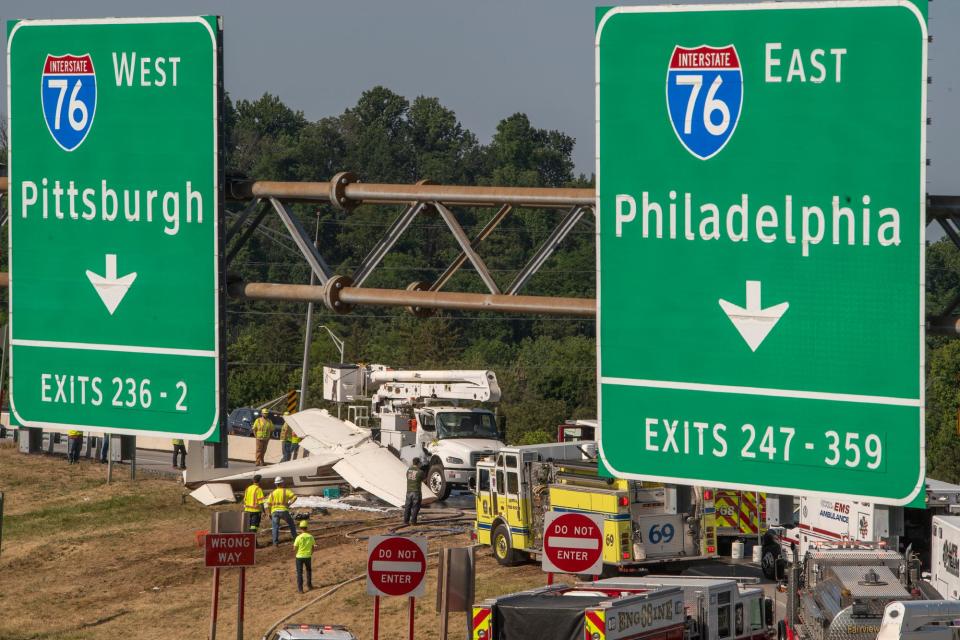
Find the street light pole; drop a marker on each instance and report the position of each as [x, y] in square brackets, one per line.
[339, 344]
[308, 333]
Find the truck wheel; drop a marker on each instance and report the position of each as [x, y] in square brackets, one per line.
[502, 546]
[437, 483]
[768, 563]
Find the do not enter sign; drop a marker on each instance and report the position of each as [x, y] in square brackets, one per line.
[573, 543]
[396, 566]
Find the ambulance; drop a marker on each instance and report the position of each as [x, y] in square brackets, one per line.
[945, 569]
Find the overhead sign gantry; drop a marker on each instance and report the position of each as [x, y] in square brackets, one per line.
[761, 245]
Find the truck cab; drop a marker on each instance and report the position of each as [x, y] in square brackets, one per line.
[454, 439]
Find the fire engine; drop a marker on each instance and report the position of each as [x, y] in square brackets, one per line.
[643, 523]
[650, 608]
[740, 513]
[841, 591]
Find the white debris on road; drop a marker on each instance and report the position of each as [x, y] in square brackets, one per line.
[330, 503]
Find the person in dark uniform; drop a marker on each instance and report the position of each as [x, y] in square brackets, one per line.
[411, 508]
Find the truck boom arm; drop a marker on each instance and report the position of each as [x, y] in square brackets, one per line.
[475, 385]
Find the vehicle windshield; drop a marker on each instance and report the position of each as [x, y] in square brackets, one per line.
[466, 425]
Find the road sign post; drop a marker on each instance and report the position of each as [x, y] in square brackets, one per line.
[573, 543]
[396, 566]
[229, 550]
[115, 202]
[761, 246]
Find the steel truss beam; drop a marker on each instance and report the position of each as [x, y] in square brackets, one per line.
[559, 233]
[249, 231]
[390, 238]
[467, 247]
[299, 235]
[459, 261]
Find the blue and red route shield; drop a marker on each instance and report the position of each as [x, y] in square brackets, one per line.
[704, 96]
[68, 92]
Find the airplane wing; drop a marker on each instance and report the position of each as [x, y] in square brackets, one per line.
[364, 463]
[338, 451]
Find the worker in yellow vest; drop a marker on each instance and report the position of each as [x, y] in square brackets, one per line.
[286, 438]
[279, 502]
[303, 544]
[294, 444]
[74, 442]
[179, 448]
[262, 430]
[253, 504]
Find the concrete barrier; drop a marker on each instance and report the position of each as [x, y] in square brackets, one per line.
[242, 448]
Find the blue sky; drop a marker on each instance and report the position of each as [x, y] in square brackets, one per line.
[485, 60]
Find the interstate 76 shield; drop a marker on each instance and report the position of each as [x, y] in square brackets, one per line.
[704, 95]
[68, 91]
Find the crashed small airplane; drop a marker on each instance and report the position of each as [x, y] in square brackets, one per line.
[338, 451]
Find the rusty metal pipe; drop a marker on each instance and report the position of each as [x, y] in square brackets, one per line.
[949, 327]
[450, 194]
[360, 192]
[581, 307]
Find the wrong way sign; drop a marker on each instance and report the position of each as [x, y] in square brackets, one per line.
[573, 543]
[396, 566]
[230, 549]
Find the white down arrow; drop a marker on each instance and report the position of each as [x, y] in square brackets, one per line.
[110, 288]
[754, 323]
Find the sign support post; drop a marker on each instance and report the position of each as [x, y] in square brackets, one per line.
[229, 550]
[376, 618]
[214, 602]
[242, 587]
[412, 606]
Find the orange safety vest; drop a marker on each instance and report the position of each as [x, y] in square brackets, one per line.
[253, 499]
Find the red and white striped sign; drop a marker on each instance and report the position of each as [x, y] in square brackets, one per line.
[573, 543]
[396, 566]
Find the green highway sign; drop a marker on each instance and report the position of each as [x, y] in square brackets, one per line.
[760, 201]
[114, 203]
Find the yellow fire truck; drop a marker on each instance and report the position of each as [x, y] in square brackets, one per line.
[644, 523]
[740, 513]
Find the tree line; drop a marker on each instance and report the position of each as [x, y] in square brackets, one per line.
[545, 365]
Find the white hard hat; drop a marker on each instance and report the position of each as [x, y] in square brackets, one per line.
[278, 480]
